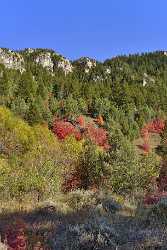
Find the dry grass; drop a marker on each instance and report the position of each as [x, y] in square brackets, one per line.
[129, 228]
[153, 141]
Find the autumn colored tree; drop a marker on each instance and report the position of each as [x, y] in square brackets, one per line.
[62, 129]
[156, 126]
[97, 135]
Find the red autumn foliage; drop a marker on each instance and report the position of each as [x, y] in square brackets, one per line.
[15, 237]
[62, 129]
[151, 199]
[97, 135]
[156, 126]
[78, 135]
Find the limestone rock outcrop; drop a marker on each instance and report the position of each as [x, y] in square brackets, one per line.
[87, 63]
[65, 65]
[11, 59]
[44, 58]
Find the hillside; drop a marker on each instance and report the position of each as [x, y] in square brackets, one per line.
[89, 139]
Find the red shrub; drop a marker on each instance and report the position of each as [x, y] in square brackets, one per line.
[97, 135]
[162, 183]
[151, 199]
[62, 129]
[78, 135]
[15, 236]
[155, 126]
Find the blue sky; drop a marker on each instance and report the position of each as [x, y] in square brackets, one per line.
[96, 28]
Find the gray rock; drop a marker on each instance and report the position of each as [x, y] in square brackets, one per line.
[87, 63]
[45, 60]
[12, 60]
[65, 65]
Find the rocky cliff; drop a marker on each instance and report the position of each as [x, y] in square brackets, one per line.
[11, 59]
[46, 58]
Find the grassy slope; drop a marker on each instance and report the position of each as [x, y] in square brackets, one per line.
[131, 225]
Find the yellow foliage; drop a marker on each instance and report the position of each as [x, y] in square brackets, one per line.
[14, 132]
[4, 171]
[44, 136]
[73, 147]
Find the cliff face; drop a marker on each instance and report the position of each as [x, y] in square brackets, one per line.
[12, 60]
[65, 65]
[45, 60]
[84, 67]
[86, 63]
[50, 60]
[15, 60]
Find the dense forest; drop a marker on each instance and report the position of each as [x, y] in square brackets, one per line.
[82, 125]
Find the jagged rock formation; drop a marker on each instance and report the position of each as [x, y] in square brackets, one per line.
[50, 60]
[45, 60]
[86, 63]
[11, 60]
[65, 65]
[29, 50]
[108, 71]
[147, 79]
[85, 68]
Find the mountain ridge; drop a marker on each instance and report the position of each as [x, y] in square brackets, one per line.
[47, 54]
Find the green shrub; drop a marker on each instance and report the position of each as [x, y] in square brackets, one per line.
[80, 199]
[130, 172]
